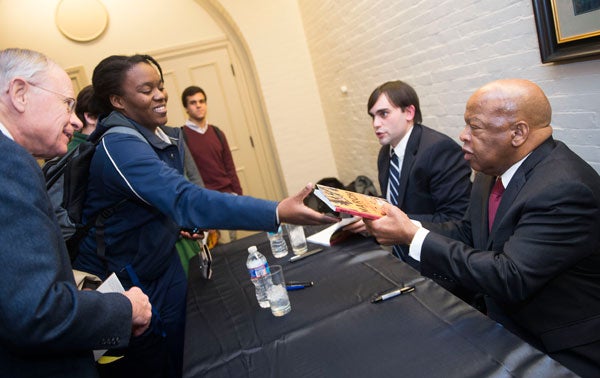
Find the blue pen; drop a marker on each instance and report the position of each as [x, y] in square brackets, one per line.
[296, 285]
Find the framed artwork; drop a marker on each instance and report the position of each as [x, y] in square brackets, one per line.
[567, 29]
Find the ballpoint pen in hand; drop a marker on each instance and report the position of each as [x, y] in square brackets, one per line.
[392, 293]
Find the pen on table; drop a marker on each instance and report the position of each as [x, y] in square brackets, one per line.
[298, 285]
[393, 293]
[309, 253]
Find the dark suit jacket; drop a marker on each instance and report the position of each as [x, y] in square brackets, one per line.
[434, 185]
[540, 265]
[435, 178]
[47, 327]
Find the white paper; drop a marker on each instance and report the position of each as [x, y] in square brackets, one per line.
[110, 285]
[322, 197]
[323, 237]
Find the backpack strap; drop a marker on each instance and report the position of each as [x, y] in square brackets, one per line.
[219, 135]
[217, 131]
[101, 217]
[98, 219]
[123, 130]
[55, 167]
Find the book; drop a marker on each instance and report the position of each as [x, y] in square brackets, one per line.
[333, 234]
[345, 201]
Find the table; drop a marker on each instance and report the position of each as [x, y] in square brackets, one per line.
[334, 330]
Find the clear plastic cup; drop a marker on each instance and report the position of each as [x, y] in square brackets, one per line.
[297, 238]
[277, 293]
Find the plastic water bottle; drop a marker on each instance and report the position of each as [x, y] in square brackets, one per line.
[278, 245]
[258, 267]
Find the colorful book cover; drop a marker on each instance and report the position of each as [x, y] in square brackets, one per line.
[344, 201]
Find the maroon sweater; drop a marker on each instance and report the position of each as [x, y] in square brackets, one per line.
[214, 160]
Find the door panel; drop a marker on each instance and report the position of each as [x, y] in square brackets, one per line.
[212, 71]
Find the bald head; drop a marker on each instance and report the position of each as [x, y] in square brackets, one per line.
[506, 120]
[517, 99]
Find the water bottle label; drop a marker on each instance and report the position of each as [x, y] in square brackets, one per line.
[259, 271]
[274, 233]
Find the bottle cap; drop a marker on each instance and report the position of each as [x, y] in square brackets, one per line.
[252, 249]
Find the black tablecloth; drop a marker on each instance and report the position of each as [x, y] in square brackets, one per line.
[334, 330]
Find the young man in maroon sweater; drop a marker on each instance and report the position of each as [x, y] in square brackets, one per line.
[208, 146]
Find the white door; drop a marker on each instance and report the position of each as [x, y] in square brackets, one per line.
[211, 69]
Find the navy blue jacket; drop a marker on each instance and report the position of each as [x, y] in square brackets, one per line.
[47, 327]
[160, 201]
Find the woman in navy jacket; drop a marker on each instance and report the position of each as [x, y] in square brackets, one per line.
[158, 202]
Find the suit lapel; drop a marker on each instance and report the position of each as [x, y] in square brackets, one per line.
[517, 182]
[410, 155]
[384, 169]
[481, 235]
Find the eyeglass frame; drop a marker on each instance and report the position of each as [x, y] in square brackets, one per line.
[69, 101]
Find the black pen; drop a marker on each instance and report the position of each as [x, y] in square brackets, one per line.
[393, 293]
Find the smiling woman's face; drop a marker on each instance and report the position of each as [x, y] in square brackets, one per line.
[144, 96]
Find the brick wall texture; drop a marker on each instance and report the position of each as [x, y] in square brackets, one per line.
[445, 50]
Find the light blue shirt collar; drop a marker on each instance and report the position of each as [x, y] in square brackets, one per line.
[5, 131]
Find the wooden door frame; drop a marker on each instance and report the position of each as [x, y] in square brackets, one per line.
[250, 96]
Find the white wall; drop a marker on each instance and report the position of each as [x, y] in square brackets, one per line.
[273, 30]
[445, 49]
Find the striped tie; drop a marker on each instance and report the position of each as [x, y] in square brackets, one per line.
[394, 180]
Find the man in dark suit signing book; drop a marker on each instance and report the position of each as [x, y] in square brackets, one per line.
[47, 327]
[530, 240]
[420, 169]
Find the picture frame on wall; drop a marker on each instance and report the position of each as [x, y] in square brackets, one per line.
[567, 29]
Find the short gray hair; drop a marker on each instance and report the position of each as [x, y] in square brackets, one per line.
[21, 62]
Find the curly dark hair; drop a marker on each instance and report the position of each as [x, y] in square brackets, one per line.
[109, 76]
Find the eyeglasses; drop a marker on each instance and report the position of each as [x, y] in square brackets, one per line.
[69, 101]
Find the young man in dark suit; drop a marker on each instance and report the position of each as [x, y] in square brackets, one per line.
[530, 240]
[47, 327]
[429, 180]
